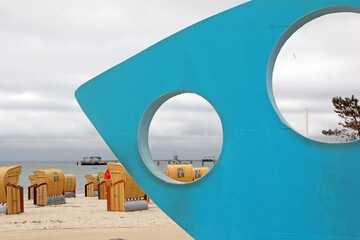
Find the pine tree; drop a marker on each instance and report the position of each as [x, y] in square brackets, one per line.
[349, 110]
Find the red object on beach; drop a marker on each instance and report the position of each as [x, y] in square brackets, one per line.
[107, 174]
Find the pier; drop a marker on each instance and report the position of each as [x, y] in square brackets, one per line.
[178, 161]
[95, 160]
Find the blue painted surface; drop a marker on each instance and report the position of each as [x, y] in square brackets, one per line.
[269, 182]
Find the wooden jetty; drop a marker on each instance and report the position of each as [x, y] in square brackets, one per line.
[175, 160]
[95, 160]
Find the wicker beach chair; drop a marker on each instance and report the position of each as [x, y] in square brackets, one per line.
[11, 195]
[102, 189]
[199, 172]
[92, 186]
[180, 172]
[70, 186]
[50, 187]
[124, 194]
[31, 188]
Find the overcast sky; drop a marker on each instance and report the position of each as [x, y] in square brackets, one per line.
[320, 61]
[188, 126]
[49, 48]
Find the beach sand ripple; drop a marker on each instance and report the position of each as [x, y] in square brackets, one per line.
[81, 214]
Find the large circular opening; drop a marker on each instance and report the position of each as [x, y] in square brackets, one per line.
[182, 141]
[315, 79]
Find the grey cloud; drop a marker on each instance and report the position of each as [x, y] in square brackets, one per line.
[54, 105]
[320, 61]
[49, 48]
[186, 125]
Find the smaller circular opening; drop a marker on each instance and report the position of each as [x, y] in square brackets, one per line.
[180, 137]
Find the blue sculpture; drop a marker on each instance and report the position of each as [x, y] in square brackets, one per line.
[269, 182]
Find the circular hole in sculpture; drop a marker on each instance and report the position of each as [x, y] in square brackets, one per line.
[316, 79]
[185, 138]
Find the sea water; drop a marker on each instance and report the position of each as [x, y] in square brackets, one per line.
[68, 167]
[71, 167]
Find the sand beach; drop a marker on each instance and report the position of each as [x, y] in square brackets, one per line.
[87, 218]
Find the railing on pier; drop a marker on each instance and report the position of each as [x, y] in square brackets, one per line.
[177, 161]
